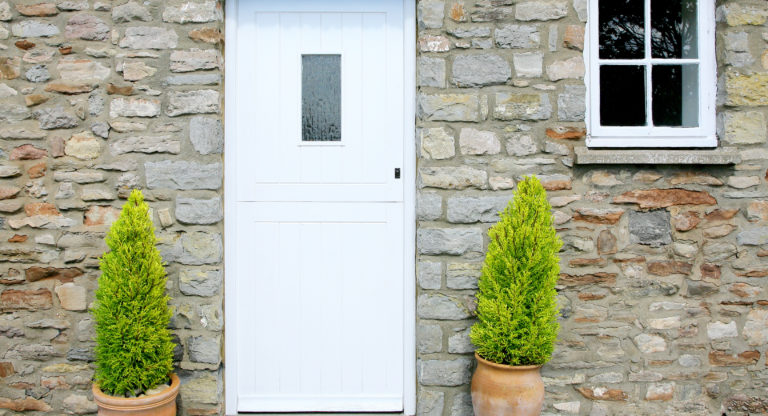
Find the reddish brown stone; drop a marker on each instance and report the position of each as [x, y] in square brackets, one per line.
[37, 170]
[566, 133]
[722, 358]
[65, 50]
[18, 238]
[8, 192]
[10, 68]
[39, 9]
[68, 274]
[669, 267]
[721, 215]
[54, 382]
[753, 273]
[207, 35]
[587, 279]
[736, 303]
[24, 44]
[590, 296]
[686, 221]
[587, 262]
[744, 290]
[41, 208]
[603, 394]
[742, 403]
[22, 385]
[663, 198]
[101, 215]
[458, 14]
[24, 405]
[630, 260]
[57, 144]
[31, 300]
[598, 216]
[114, 89]
[573, 38]
[606, 243]
[28, 152]
[710, 271]
[69, 89]
[694, 178]
[11, 277]
[662, 393]
[6, 369]
[32, 100]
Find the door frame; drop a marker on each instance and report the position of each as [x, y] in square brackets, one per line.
[409, 208]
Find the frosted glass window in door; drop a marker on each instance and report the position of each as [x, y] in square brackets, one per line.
[320, 98]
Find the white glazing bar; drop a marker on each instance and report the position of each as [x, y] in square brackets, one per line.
[656, 61]
[647, 63]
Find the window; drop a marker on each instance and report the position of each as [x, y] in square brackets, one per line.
[321, 98]
[651, 73]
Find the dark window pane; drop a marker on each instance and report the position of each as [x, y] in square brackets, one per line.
[622, 29]
[622, 95]
[320, 98]
[673, 33]
[675, 95]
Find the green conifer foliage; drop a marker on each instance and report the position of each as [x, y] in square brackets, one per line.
[134, 351]
[516, 301]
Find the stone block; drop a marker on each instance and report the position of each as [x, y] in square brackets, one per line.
[541, 10]
[31, 28]
[192, 248]
[183, 175]
[571, 105]
[431, 14]
[478, 142]
[431, 72]
[204, 349]
[744, 127]
[429, 339]
[477, 70]
[429, 206]
[199, 211]
[134, 107]
[523, 106]
[147, 37]
[198, 282]
[450, 241]
[146, 144]
[86, 27]
[649, 228]
[449, 107]
[192, 102]
[528, 64]
[452, 177]
[206, 135]
[468, 210]
[430, 403]
[192, 12]
[518, 36]
[430, 274]
[449, 373]
[463, 275]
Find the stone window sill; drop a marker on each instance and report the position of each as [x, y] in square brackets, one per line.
[719, 156]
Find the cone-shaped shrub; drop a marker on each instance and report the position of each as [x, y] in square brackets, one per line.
[516, 306]
[134, 351]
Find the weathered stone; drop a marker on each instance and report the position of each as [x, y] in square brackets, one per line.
[30, 300]
[598, 216]
[649, 228]
[430, 403]
[38, 73]
[662, 198]
[522, 106]
[450, 241]
[10, 67]
[436, 143]
[737, 14]
[528, 64]
[206, 135]
[27, 152]
[137, 70]
[35, 273]
[134, 107]
[83, 146]
[478, 142]
[197, 282]
[145, 37]
[429, 275]
[660, 391]
[432, 43]
[722, 358]
[649, 344]
[571, 105]
[30, 28]
[193, 248]
[431, 72]
[669, 267]
[194, 79]
[97, 193]
[603, 393]
[606, 243]
[744, 127]
[444, 372]
[753, 237]
[146, 144]
[449, 107]
[131, 11]
[204, 388]
[718, 330]
[429, 206]
[757, 211]
[81, 176]
[24, 405]
[37, 10]
[746, 90]
[194, 59]
[541, 10]
[555, 182]
[192, 102]
[192, 12]
[756, 327]
[521, 145]
[204, 349]
[477, 70]
[87, 27]
[183, 175]
[199, 211]
[518, 36]
[467, 210]
[742, 182]
[571, 68]
[452, 178]
[573, 38]
[207, 34]
[55, 118]
[101, 216]
[78, 404]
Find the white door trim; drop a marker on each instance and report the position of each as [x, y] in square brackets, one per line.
[409, 207]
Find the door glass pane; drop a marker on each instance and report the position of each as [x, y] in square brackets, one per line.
[673, 33]
[622, 95]
[675, 95]
[622, 29]
[320, 98]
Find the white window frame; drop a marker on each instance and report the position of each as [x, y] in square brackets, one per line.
[702, 136]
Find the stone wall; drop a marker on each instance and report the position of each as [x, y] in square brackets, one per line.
[96, 98]
[663, 284]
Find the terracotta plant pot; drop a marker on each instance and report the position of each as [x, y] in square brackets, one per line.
[499, 389]
[160, 404]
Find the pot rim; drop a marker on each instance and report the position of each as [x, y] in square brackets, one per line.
[146, 402]
[505, 366]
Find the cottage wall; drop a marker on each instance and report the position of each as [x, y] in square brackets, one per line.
[98, 97]
[663, 284]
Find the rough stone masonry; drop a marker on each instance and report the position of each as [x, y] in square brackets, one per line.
[664, 267]
[97, 98]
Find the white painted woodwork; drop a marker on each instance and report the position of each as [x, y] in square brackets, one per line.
[315, 254]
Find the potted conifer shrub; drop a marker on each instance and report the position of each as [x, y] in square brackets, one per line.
[517, 309]
[134, 351]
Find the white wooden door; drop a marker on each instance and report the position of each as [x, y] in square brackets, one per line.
[318, 245]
